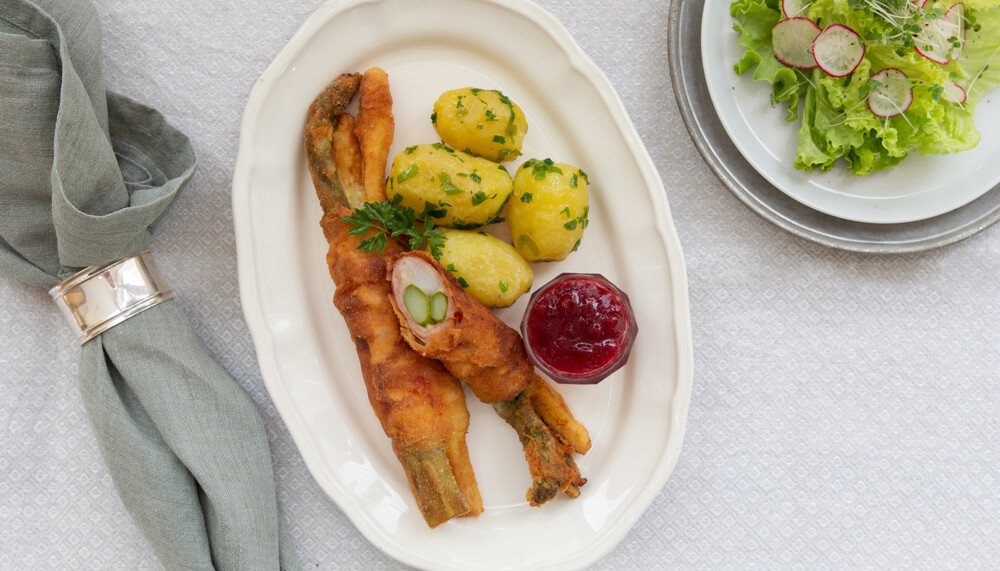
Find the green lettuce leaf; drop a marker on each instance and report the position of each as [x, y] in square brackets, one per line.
[979, 65]
[756, 18]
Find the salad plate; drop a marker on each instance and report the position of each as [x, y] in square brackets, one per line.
[919, 187]
[308, 362]
[910, 208]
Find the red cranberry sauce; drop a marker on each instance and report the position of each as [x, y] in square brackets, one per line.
[578, 326]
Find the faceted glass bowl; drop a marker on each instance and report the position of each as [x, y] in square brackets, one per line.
[592, 376]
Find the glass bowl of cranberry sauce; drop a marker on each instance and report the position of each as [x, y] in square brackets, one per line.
[579, 328]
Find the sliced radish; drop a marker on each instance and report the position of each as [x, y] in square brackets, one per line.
[838, 50]
[793, 8]
[792, 40]
[893, 94]
[954, 93]
[956, 17]
[934, 39]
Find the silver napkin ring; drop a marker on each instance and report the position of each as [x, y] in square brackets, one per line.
[97, 298]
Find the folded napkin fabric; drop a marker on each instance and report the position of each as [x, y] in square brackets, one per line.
[85, 175]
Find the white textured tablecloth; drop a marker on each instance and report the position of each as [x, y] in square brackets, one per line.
[844, 412]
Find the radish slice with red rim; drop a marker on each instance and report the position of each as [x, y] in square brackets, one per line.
[936, 38]
[892, 94]
[838, 50]
[792, 40]
[794, 8]
[954, 93]
[956, 17]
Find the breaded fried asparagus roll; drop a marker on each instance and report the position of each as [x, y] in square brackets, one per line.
[420, 405]
[473, 344]
[440, 320]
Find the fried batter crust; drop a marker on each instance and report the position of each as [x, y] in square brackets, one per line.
[374, 129]
[347, 157]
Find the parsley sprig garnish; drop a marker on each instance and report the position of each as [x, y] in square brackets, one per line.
[389, 219]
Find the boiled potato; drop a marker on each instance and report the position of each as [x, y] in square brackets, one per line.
[451, 187]
[488, 268]
[548, 211]
[483, 122]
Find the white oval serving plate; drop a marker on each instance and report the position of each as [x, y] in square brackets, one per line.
[636, 417]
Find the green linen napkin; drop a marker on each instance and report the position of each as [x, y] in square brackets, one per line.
[85, 175]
